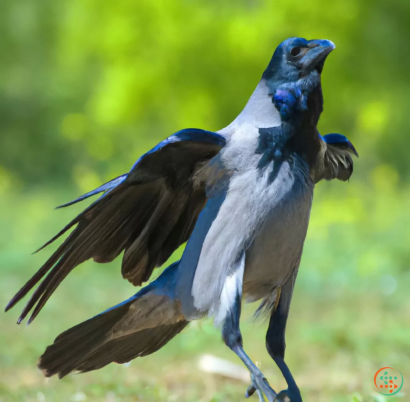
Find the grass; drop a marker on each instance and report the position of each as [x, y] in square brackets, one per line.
[350, 316]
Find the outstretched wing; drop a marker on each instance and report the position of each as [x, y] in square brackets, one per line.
[148, 212]
[335, 160]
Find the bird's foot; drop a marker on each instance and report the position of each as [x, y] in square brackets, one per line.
[254, 388]
[261, 386]
[288, 396]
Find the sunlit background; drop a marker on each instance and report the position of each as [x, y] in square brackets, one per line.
[87, 86]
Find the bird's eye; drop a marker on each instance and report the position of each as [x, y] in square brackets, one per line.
[295, 51]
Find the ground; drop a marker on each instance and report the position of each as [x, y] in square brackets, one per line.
[344, 325]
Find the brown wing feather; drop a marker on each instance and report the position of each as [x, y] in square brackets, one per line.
[334, 162]
[148, 214]
[338, 163]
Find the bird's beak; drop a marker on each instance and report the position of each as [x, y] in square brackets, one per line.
[316, 55]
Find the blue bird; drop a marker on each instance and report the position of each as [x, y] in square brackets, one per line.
[240, 198]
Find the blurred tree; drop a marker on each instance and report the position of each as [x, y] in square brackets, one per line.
[86, 86]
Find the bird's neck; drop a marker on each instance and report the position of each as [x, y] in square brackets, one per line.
[303, 126]
[258, 112]
[315, 107]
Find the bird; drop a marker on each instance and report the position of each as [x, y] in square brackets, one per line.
[240, 198]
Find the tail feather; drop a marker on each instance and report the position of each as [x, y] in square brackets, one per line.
[70, 347]
[135, 328]
[129, 347]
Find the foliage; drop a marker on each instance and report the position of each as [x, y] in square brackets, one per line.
[88, 85]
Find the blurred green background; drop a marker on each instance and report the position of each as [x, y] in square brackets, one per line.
[87, 86]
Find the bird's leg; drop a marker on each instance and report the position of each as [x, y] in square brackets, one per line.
[251, 390]
[259, 382]
[233, 339]
[275, 341]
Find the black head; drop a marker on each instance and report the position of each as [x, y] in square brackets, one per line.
[296, 58]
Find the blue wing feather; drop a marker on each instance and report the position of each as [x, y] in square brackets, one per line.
[106, 187]
[339, 139]
[188, 134]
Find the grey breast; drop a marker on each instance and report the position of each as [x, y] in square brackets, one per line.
[277, 247]
[256, 217]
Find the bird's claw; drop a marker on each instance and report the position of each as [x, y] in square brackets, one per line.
[251, 390]
[288, 396]
[262, 387]
[283, 397]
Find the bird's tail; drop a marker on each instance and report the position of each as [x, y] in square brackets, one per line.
[137, 327]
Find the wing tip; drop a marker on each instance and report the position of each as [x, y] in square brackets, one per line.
[8, 306]
[16, 298]
[31, 319]
[352, 149]
[46, 372]
[108, 186]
